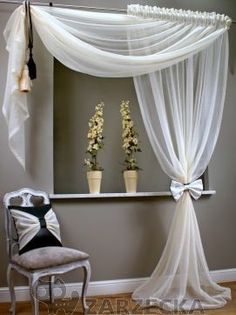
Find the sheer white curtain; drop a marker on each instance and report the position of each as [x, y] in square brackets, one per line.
[182, 109]
[99, 44]
[179, 61]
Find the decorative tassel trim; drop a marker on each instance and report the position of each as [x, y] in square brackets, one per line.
[31, 64]
[25, 83]
[32, 67]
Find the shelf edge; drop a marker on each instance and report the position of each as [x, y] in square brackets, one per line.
[121, 195]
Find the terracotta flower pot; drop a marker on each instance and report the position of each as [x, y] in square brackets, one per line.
[94, 181]
[131, 178]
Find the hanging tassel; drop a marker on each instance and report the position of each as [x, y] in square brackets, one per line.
[25, 82]
[32, 67]
[31, 64]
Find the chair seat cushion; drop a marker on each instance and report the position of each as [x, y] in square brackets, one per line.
[46, 257]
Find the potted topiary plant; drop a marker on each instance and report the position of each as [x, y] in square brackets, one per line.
[95, 143]
[131, 147]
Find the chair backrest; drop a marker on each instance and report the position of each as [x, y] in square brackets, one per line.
[24, 197]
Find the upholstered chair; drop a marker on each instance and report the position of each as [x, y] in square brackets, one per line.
[23, 210]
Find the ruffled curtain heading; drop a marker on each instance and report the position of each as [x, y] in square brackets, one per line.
[179, 63]
[180, 16]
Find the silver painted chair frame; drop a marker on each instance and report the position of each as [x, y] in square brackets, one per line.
[34, 276]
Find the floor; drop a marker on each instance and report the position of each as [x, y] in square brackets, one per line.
[116, 304]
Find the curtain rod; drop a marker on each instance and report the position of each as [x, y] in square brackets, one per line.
[71, 6]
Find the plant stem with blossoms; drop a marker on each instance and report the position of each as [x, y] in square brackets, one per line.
[130, 138]
[95, 138]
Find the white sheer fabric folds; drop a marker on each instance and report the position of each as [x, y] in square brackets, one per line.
[15, 108]
[179, 63]
[99, 44]
[182, 109]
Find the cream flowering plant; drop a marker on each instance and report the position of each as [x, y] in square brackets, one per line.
[130, 138]
[95, 138]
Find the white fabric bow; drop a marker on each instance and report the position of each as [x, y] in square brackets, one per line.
[28, 225]
[195, 189]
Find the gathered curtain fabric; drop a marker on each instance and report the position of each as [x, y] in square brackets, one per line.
[179, 63]
[182, 109]
[102, 44]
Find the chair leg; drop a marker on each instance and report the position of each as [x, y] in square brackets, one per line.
[33, 292]
[87, 275]
[51, 283]
[11, 289]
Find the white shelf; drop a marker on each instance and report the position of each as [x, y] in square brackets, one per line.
[121, 195]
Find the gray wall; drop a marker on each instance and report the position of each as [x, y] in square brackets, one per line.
[75, 96]
[124, 237]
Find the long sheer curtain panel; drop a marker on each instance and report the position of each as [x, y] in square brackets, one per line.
[182, 108]
[179, 63]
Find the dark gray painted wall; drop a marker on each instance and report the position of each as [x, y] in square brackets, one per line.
[75, 96]
[124, 237]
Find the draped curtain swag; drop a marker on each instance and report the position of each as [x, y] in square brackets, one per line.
[179, 63]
